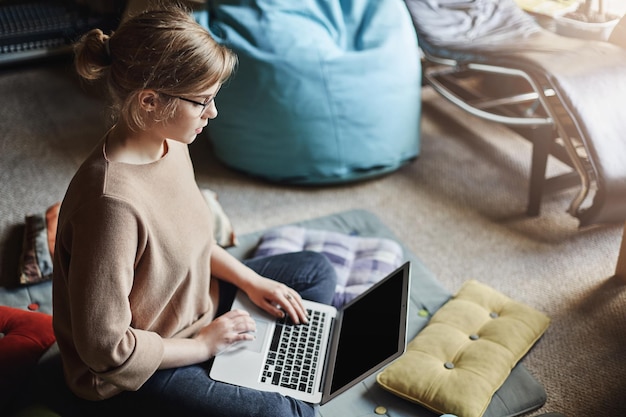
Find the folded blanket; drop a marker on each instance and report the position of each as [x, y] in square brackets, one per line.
[359, 261]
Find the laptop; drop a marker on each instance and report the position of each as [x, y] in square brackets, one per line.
[349, 344]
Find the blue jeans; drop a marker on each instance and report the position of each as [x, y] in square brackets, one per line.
[188, 391]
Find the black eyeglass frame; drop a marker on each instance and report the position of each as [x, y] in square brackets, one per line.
[188, 100]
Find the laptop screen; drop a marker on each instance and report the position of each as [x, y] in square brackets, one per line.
[373, 331]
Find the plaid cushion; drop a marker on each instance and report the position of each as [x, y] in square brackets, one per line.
[359, 261]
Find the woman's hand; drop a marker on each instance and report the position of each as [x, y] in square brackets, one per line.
[277, 299]
[226, 330]
[272, 296]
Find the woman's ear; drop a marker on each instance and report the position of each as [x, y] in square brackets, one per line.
[148, 100]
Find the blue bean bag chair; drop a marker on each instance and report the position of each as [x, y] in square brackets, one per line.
[326, 91]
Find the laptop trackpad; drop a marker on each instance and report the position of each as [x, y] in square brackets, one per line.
[256, 345]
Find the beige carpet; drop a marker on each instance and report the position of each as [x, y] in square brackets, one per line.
[459, 207]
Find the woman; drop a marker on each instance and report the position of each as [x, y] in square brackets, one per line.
[141, 291]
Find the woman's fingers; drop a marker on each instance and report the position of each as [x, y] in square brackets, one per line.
[240, 321]
[289, 302]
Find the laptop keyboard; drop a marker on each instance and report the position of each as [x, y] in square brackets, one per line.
[294, 352]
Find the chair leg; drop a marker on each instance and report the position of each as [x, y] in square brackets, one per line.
[541, 139]
[620, 269]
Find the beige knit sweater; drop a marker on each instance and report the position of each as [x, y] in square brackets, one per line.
[131, 267]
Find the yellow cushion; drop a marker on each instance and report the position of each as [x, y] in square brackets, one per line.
[466, 352]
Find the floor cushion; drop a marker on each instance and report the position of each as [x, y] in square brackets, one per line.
[520, 393]
[325, 91]
[24, 338]
[466, 352]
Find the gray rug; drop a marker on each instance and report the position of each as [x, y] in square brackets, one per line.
[459, 207]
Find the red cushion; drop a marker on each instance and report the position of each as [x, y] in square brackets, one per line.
[25, 337]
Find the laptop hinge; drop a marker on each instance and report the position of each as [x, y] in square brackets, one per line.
[331, 355]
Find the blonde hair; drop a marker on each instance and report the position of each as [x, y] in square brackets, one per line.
[163, 49]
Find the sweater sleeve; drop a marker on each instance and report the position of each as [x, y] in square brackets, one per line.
[107, 238]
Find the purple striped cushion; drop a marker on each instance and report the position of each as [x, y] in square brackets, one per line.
[359, 261]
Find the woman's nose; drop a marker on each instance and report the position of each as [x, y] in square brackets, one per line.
[210, 112]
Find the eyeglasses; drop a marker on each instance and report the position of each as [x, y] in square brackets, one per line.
[197, 103]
